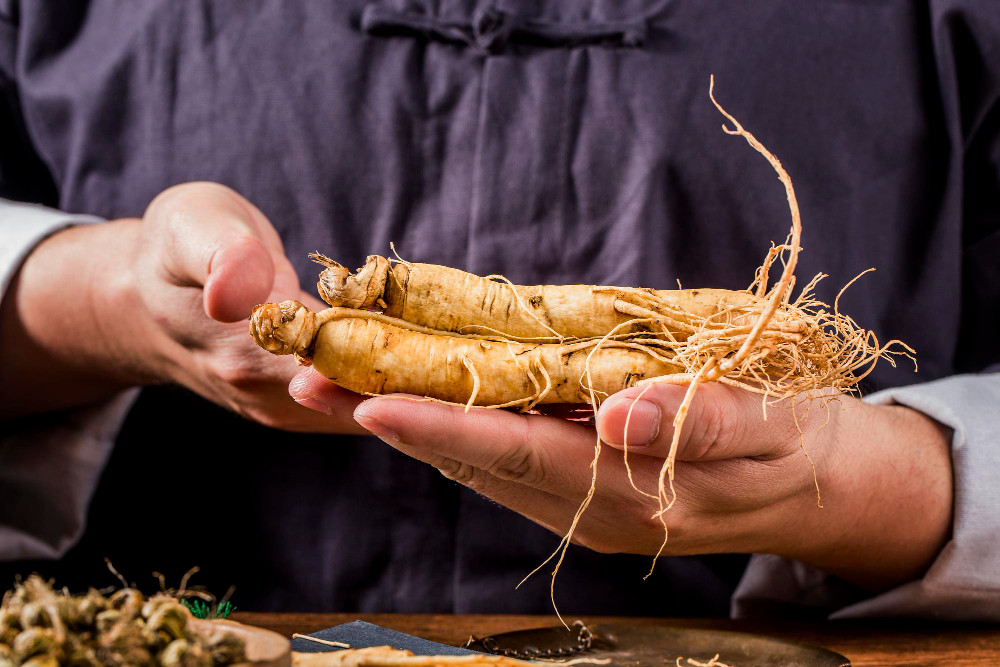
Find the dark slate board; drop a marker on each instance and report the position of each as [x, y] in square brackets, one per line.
[362, 635]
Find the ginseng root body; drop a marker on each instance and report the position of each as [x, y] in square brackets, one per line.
[370, 356]
[453, 336]
[447, 299]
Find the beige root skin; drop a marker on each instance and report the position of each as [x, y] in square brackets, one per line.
[447, 299]
[363, 353]
[714, 662]
[386, 656]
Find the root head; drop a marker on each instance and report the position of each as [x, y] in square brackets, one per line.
[339, 287]
[284, 328]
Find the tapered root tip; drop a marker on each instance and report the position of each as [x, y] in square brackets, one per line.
[283, 328]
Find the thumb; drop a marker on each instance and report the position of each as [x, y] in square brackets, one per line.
[240, 276]
[211, 237]
[722, 422]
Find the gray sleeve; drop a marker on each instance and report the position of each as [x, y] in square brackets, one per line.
[22, 227]
[49, 464]
[963, 583]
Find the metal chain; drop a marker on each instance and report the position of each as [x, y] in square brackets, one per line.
[584, 640]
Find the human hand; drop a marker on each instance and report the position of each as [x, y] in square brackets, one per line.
[742, 483]
[166, 299]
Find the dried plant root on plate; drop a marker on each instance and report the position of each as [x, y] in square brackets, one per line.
[386, 656]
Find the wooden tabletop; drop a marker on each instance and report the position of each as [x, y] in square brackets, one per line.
[865, 643]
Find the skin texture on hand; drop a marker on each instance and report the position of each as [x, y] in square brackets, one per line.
[743, 484]
[98, 308]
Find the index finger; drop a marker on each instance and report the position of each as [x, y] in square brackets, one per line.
[546, 453]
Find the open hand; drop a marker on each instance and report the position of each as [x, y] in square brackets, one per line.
[207, 256]
[97, 308]
[743, 484]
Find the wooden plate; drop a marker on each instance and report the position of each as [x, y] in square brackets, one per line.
[264, 648]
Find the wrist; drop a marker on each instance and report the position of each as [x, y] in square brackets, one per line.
[888, 497]
[58, 322]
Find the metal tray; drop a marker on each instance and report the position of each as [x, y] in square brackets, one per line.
[649, 646]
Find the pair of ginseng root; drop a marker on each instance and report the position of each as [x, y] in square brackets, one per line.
[484, 342]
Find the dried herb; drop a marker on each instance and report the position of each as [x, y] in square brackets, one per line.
[41, 627]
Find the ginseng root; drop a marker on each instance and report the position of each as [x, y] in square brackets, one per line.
[372, 356]
[483, 341]
[447, 299]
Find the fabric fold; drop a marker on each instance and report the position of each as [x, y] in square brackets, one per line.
[491, 30]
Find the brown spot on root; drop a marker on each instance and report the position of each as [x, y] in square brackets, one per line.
[631, 379]
[535, 301]
[397, 290]
[380, 380]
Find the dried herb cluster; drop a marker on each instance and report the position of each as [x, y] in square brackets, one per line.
[42, 627]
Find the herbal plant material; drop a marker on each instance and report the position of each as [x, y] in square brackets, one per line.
[714, 662]
[204, 610]
[450, 336]
[395, 326]
[386, 656]
[40, 626]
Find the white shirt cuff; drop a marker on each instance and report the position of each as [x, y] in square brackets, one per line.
[963, 583]
[22, 227]
[49, 464]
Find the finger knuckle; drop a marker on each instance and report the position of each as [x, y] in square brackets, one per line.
[183, 191]
[519, 465]
[167, 201]
[596, 542]
[715, 427]
[239, 373]
[457, 471]
[522, 461]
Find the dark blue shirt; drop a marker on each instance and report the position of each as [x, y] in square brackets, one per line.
[548, 141]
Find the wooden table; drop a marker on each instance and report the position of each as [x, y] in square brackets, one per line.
[865, 643]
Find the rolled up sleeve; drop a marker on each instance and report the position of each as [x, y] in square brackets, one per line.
[963, 583]
[49, 464]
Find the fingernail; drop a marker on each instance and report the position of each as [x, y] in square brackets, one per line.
[377, 428]
[643, 423]
[314, 404]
